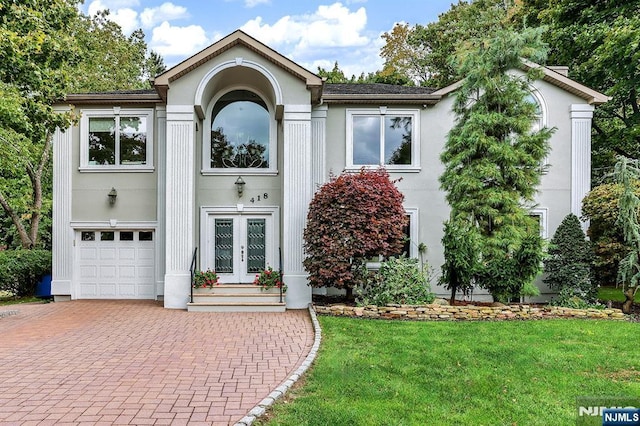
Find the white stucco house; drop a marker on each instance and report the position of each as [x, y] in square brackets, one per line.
[147, 179]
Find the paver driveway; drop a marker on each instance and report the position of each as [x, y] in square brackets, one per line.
[134, 362]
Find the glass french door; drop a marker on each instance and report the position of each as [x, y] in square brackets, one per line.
[239, 247]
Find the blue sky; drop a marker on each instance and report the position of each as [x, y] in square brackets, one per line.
[311, 33]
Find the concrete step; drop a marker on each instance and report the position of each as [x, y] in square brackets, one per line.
[236, 307]
[235, 289]
[236, 297]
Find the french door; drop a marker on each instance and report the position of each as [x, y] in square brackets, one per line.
[239, 246]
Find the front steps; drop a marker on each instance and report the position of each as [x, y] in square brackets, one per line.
[236, 298]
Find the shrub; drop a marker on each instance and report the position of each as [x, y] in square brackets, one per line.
[21, 270]
[353, 217]
[600, 207]
[568, 264]
[399, 280]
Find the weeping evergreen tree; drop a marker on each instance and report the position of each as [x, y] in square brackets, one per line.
[627, 173]
[493, 162]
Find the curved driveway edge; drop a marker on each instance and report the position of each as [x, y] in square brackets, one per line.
[134, 362]
[266, 403]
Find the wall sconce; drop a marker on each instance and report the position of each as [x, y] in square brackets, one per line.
[240, 185]
[113, 194]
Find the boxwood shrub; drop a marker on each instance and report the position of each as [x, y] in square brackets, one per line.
[21, 270]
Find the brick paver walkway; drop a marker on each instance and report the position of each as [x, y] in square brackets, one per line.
[134, 362]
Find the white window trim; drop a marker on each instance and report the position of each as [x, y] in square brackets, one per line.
[412, 212]
[380, 112]
[207, 170]
[543, 213]
[110, 113]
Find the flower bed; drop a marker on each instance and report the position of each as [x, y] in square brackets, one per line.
[436, 312]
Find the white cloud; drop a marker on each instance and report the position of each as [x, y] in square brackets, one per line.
[329, 26]
[253, 3]
[126, 17]
[165, 12]
[170, 40]
[112, 5]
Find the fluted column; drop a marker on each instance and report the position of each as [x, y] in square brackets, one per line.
[179, 205]
[318, 145]
[581, 116]
[298, 182]
[62, 233]
[161, 162]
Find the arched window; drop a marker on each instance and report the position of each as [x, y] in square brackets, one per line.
[538, 123]
[240, 132]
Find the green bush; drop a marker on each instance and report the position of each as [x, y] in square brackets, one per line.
[399, 280]
[21, 270]
[569, 260]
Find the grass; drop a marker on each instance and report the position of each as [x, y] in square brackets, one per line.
[454, 373]
[8, 299]
[610, 293]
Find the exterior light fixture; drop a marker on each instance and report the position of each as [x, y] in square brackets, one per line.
[240, 185]
[113, 194]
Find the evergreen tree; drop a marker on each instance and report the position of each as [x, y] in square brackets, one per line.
[568, 265]
[627, 173]
[492, 160]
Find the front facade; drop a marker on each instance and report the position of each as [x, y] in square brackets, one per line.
[217, 166]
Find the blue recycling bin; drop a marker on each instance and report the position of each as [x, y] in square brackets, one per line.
[43, 288]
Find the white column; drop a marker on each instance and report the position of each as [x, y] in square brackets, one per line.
[62, 253]
[581, 115]
[318, 145]
[161, 161]
[179, 221]
[298, 180]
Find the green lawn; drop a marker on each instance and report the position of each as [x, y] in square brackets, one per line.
[10, 300]
[610, 293]
[462, 373]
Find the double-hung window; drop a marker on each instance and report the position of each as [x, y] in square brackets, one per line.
[118, 139]
[383, 137]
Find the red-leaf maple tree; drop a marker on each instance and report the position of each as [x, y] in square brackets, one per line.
[352, 218]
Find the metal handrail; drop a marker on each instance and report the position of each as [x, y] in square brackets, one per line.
[194, 265]
[280, 271]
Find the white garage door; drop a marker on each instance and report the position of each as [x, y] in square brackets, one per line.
[116, 264]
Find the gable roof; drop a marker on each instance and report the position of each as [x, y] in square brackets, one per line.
[238, 37]
[550, 75]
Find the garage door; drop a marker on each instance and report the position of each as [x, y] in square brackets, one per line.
[116, 264]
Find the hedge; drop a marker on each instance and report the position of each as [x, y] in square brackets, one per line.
[21, 270]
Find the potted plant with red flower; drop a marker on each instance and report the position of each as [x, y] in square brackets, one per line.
[269, 278]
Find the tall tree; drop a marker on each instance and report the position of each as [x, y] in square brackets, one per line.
[111, 60]
[627, 173]
[402, 57]
[36, 48]
[492, 160]
[48, 49]
[598, 41]
[436, 43]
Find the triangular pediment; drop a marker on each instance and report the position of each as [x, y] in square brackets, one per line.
[236, 38]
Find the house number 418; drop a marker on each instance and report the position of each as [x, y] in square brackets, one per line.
[264, 196]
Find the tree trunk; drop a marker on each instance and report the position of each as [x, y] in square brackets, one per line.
[452, 299]
[628, 303]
